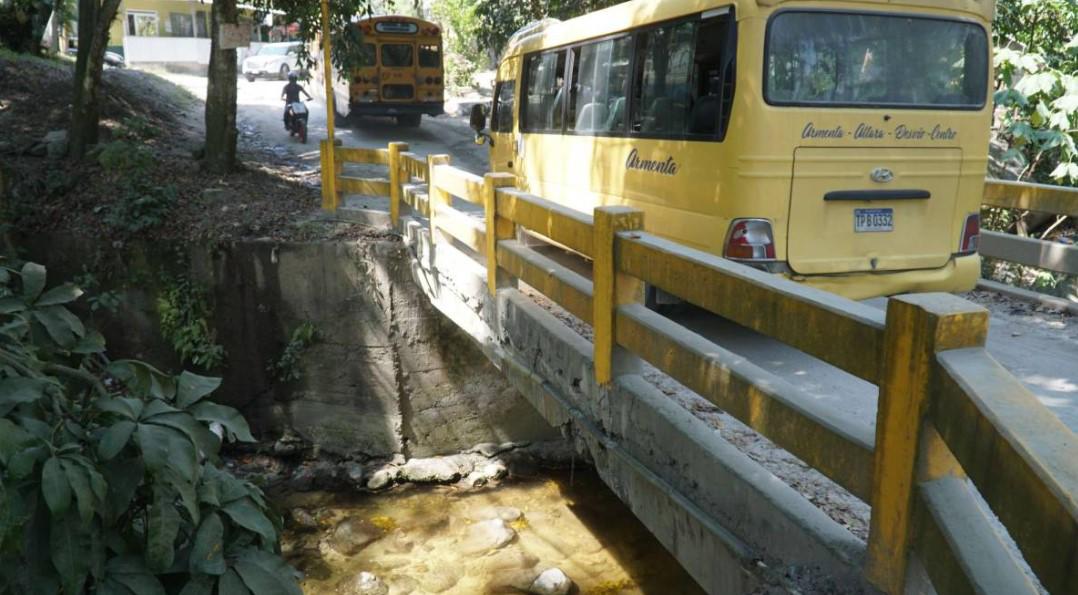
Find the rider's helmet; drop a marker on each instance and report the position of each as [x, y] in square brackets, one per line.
[292, 77]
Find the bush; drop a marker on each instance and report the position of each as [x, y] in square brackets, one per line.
[109, 475]
[185, 321]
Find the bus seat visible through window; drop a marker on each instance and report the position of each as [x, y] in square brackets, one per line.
[704, 115]
[593, 117]
[616, 119]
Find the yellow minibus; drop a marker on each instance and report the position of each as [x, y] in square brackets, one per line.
[842, 144]
[398, 72]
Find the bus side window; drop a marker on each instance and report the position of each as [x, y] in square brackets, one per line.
[600, 76]
[545, 93]
[684, 80]
[502, 120]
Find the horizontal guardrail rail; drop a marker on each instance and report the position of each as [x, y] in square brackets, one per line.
[950, 420]
[1042, 198]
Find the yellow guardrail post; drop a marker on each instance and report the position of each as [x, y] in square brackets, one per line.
[330, 199]
[395, 181]
[498, 228]
[918, 326]
[435, 195]
[610, 288]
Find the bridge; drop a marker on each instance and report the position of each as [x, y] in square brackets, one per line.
[972, 482]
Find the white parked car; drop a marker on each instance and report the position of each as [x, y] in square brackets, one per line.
[272, 59]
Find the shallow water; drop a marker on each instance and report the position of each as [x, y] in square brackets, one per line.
[443, 540]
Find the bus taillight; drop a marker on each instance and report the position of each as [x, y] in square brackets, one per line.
[750, 239]
[971, 232]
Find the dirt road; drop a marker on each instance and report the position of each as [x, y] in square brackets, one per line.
[259, 113]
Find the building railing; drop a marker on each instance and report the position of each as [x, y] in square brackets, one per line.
[950, 420]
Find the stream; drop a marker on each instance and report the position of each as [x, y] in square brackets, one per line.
[441, 539]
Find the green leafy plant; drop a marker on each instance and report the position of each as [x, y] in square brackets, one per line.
[1036, 61]
[109, 472]
[185, 314]
[286, 369]
[96, 297]
[141, 204]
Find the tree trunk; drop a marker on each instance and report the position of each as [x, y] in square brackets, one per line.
[94, 21]
[221, 133]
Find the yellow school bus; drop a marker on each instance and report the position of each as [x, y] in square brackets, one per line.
[398, 71]
[842, 144]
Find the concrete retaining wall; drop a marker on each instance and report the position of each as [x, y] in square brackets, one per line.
[387, 375]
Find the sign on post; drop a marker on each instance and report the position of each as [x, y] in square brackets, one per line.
[230, 37]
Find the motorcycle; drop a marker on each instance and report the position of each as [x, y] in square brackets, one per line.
[297, 120]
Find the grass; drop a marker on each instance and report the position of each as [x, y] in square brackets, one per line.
[59, 62]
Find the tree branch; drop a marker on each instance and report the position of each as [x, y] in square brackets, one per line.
[77, 374]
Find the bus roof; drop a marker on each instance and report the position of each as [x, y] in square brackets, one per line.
[638, 12]
[398, 18]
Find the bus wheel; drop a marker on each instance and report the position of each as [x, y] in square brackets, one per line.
[409, 121]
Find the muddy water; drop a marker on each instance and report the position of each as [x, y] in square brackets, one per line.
[444, 540]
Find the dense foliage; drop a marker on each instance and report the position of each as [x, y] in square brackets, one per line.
[499, 19]
[1036, 63]
[109, 476]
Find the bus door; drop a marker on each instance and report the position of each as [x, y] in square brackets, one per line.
[504, 154]
[397, 71]
[429, 71]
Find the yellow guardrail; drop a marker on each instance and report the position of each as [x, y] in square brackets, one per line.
[950, 419]
[1041, 198]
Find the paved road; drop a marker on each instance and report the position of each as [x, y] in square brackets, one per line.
[259, 114]
[1040, 348]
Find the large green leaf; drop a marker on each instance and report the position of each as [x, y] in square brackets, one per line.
[228, 417]
[33, 280]
[265, 573]
[123, 476]
[157, 407]
[114, 439]
[129, 408]
[12, 439]
[11, 304]
[22, 463]
[207, 553]
[15, 391]
[199, 584]
[144, 379]
[70, 543]
[54, 487]
[206, 441]
[162, 525]
[187, 491]
[59, 295]
[192, 387]
[92, 342]
[164, 447]
[131, 572]
[245, 513]
[231, 584]
[59, 327]
[80, 487]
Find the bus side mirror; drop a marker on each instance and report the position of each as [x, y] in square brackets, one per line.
[478, 119]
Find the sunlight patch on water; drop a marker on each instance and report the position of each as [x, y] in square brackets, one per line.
[445, 540]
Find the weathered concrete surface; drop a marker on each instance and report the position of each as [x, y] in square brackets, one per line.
[388, 374]
[733, 525]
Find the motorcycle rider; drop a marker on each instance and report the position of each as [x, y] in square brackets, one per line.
[290, 94]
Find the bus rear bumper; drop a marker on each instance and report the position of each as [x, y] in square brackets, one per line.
[959, 274]
[396, 109]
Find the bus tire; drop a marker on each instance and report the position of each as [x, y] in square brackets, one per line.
[409, 120]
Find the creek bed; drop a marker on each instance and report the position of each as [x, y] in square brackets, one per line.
[441, 539]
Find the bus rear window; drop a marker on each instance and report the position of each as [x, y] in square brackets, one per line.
[396, 55]
[866, 60]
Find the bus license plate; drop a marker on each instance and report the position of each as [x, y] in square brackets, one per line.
[873, 220]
